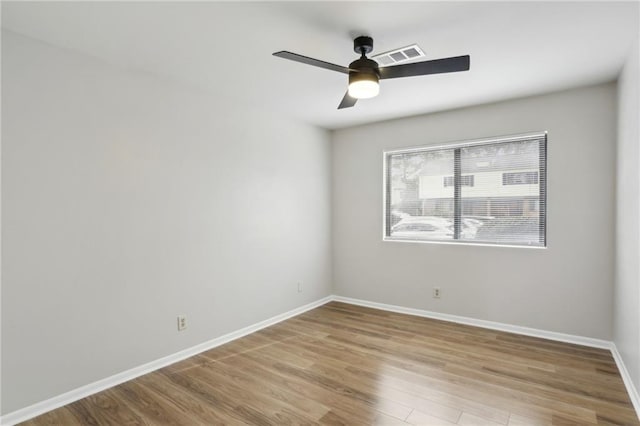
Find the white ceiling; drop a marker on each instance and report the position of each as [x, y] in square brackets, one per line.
[517, 48]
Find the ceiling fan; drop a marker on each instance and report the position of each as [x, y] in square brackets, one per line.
[364, 73]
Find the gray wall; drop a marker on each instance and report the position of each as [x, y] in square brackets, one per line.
[627, 290]
[566, 287]
[127, 200]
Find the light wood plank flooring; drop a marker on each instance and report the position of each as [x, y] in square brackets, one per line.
[344, 364]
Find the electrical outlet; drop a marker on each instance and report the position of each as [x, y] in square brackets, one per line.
[436, 292]
[182, 322]
[299, 287]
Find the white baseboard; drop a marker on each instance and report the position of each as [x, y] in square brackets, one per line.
[550, 335]
[534, 332]
[42, 407]
[626, 378]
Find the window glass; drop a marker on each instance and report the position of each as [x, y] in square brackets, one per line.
[421, 205]
[498, 208]
[489, 192]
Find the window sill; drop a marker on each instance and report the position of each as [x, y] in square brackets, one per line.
[463, 243]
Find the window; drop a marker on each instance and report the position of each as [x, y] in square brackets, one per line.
[490, 191]
[520, 178]
[466, 180]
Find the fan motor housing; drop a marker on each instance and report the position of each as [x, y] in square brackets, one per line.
[364, 65]
[363, 69]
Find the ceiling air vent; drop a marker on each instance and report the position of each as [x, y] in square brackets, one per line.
[399, 56]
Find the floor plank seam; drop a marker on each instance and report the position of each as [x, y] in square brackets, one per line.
[248, 350]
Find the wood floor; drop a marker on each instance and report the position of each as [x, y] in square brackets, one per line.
[343, 364]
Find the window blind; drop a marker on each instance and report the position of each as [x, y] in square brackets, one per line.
[490, 191]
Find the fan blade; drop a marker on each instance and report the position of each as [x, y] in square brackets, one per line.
[310, 61]
[437, 66]
[347, 101]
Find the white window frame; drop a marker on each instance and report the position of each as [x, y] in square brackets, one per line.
[542, 181]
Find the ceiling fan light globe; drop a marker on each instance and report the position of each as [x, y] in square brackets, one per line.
[363, 84]
[364, 89]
